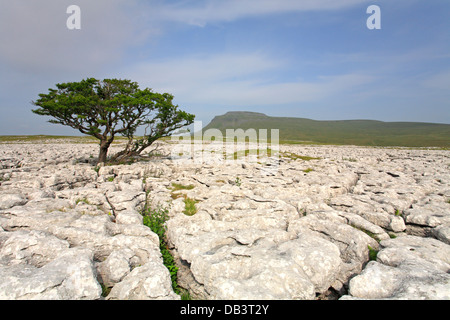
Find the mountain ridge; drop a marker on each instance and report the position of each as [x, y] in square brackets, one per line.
[362, 132]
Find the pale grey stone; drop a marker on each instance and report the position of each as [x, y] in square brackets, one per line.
[11, 200]
[116, 266]
[129, 217]
[148, 282]
[377, 281]
[126, 200]
[71, 276]
[409, 281]
[36, 248]
[429, 216]
[411, 248]
[364, 225]
[318, 258]
[442, 233]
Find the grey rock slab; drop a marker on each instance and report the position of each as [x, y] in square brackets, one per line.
[364, 225]
[370, 210]
[118, 264]
[411, 248]
[261, 274]
[318, 258]
[407, 267]
[407, 281]
[148, 282]
[70, 276]
[442, 233]
[11, 200]
[129, 217]
[37, 216]
[352, 243]
[231, 262]
[429, 215]
[36, 248]
[126, 200]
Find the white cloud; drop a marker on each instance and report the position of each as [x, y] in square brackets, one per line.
[248, 79]
[35, 38]
[204, 68]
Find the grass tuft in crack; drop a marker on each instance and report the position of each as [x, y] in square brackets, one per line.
[372, 254]
[155, 219]
[189, 206]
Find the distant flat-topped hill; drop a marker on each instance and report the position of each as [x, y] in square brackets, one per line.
[353, 132]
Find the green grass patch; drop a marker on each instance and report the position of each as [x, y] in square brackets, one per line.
[177, 187]
[189, 206]
[155, 219]
[176, 195]
[372, 254]
[293, 156]
[308, 170]
[105, 290]
[47, 139]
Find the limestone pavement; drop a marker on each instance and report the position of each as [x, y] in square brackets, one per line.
[338, 222]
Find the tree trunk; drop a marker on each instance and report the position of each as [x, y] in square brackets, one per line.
[104, 145]
[123, 155]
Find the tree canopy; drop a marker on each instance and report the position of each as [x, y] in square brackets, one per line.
[110, 107]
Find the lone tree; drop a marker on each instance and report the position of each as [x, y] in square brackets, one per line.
[105, 109]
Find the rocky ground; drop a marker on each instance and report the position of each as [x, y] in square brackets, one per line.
[319, 222]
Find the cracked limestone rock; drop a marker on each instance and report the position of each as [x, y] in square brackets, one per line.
[296, 226]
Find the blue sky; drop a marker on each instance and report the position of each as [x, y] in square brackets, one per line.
[313, 59]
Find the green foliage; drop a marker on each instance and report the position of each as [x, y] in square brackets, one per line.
[111, 107]
[308, 170]
[238, 182]
[105, 290]
[185, 295]
[372, 254]
[155, 219]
